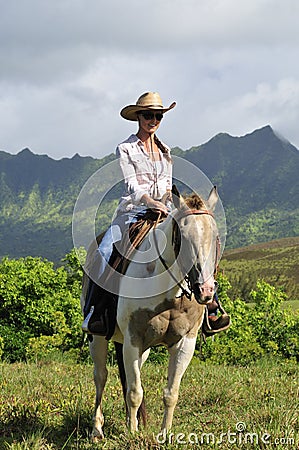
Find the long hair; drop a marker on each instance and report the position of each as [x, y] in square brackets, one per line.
[163, 149]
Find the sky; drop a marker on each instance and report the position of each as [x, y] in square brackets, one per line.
[67, 68]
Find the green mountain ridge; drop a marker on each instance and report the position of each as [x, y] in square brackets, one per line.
[252, 171]
[256, 177]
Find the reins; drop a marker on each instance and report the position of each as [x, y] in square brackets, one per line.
[141, 229]
[178, 283]
[137, 232]
[175, 240]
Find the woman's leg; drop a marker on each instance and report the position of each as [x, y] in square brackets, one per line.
[101, 299]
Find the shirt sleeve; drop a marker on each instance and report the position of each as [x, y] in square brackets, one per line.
[133, 186]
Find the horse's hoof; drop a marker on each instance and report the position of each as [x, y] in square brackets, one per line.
[97, 436]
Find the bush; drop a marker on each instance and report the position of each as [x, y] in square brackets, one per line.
[40, 316]
[262, 328]
[38, 305]
[276, 328]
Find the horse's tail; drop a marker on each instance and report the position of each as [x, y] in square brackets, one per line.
[141, 414]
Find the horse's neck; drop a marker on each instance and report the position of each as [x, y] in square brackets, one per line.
[168, 258]
[168, 250]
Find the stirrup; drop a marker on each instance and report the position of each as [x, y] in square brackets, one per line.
[97, 327]
[224, 321]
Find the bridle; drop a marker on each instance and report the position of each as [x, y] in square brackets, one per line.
[176, 242]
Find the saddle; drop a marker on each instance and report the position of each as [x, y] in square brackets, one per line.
[105, 307]
[138, 230]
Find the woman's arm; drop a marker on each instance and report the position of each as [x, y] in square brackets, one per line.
[136, 189]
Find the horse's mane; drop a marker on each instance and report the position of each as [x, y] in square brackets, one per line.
[194, 201]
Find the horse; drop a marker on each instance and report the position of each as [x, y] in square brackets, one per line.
[161, 302]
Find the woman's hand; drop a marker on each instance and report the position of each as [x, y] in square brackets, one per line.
[154, 204]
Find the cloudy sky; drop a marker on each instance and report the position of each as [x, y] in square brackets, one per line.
[67, 67]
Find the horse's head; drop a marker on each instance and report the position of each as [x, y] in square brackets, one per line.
[196, 242]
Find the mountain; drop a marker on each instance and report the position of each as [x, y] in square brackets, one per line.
[253, 171]
[37, 198]
[256, 176]
[19, 173]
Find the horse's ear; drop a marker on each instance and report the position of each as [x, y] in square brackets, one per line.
[176, 197]
[212, 199]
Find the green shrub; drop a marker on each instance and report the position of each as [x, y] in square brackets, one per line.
[262, 328]
[276, 328]
[41, 315]
[37, 302]
[239, 345]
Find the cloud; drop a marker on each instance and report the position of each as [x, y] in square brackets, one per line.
[69, 66]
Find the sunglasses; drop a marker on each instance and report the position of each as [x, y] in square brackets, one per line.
[151, 116]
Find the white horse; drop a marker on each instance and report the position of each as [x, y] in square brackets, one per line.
[161, 302]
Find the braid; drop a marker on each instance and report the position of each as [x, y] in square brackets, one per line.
[162, 147]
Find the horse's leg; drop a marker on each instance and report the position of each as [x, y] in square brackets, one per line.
[144, 356]
[180, 357]
[98, 350]
[141, 413]
[133, 361]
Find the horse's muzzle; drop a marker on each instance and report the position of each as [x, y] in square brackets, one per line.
[203, 292]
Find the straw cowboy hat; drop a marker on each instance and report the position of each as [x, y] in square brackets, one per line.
[147, 101]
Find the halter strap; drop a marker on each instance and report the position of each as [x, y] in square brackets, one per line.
[187, 212]
[194, 212]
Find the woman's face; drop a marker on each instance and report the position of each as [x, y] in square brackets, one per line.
[149, 121]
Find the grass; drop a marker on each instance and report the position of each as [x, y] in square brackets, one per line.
[49, 404]
[277, 262]
[293, 304]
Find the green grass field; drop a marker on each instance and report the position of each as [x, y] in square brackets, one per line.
[49, 404]
[293, 304]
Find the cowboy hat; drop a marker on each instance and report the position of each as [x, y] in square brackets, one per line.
[147, 101]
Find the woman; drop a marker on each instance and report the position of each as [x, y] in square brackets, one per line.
[147, 171]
